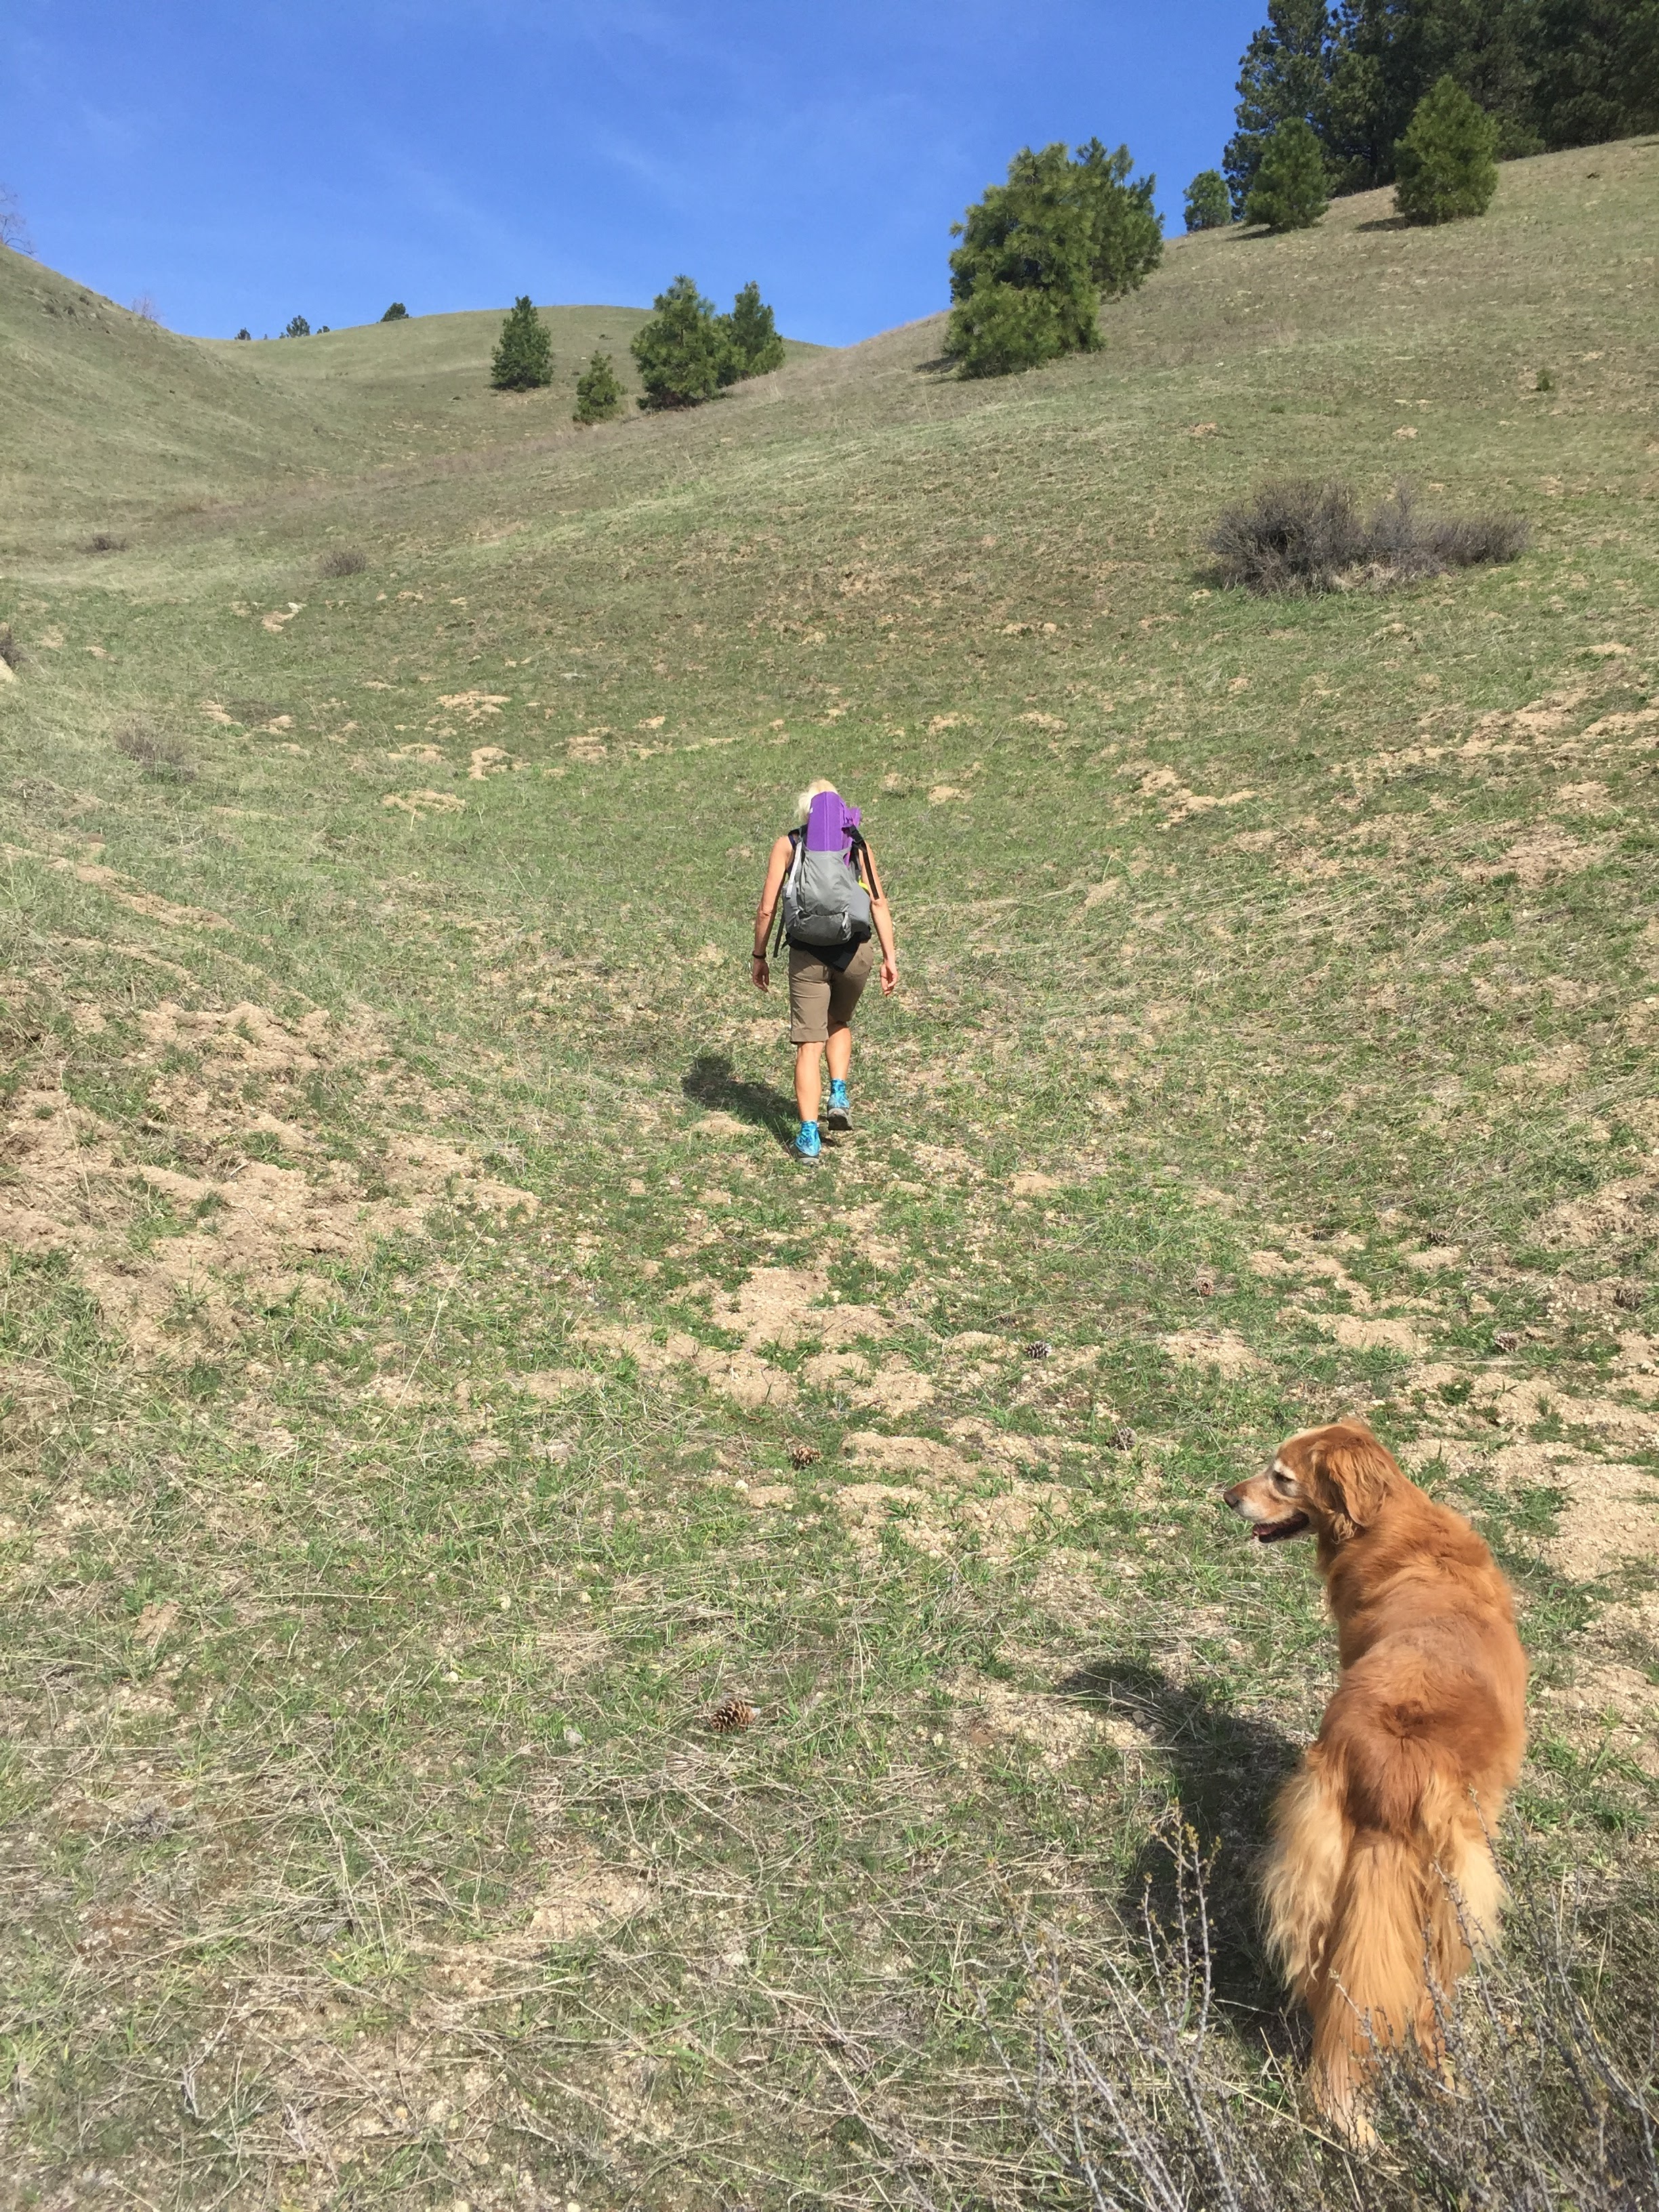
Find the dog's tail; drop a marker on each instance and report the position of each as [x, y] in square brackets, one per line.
[1413, 1896]
[1375, 1993]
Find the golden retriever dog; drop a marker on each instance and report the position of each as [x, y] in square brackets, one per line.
[1381, 1872]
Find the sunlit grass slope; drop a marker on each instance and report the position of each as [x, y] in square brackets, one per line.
[434, 1389]
[109, 417]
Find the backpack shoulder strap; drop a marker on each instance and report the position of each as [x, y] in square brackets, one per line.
[797, 840]
[862, 857]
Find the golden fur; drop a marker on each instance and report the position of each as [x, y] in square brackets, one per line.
[1380, 1865]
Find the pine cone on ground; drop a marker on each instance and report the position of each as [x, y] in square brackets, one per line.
[731, 1715]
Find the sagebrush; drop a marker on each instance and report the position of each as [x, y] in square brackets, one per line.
[1139, 2087]
[156, 751]
[1301, 535]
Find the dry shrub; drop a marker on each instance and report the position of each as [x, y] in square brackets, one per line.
[1296, 535]
[342, 561]
[10, 652]
[1138, 2090]
[155, 752]
[102, 541]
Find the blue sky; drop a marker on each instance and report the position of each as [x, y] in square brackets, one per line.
[239, 163]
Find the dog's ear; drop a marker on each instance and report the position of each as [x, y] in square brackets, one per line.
[1357, 1473]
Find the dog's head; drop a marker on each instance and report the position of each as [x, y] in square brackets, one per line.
[1334, 1481]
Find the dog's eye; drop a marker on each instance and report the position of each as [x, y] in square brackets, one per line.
[1284, 1483]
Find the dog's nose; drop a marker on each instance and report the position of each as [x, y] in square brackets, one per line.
[1232, 1496]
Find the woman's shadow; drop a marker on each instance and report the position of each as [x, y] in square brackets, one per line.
[712, 1081]
[1228, 1769]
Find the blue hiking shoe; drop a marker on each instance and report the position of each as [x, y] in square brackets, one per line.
[839, 1115]
[809, 1145]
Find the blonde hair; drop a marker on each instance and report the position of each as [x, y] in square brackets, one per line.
[803, 804]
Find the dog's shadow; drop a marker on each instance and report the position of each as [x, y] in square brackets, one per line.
[1228, 1769]
[712, 1081]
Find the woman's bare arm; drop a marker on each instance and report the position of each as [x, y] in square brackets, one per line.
[777, 868]
[882, 915]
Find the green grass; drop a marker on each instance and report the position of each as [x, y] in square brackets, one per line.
[366, 1841]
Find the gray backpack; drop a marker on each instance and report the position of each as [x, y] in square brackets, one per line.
[823, 902]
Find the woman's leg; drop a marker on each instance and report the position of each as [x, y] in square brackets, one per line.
[839, 1052]
[808, 1081]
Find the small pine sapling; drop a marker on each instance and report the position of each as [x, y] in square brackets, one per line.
[1447, 162]
[598, 394]
[1291, 190]
[523, 359]
[1209, 206]
[753, 346]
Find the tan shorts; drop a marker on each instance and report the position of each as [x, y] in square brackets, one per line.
[820, 999]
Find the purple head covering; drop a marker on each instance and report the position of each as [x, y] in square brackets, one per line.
[830, 824]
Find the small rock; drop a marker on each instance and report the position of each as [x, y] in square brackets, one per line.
[151, 1819]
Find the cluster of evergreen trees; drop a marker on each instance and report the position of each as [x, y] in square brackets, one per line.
[687, 352]
[1549, 73]
[1039, 253]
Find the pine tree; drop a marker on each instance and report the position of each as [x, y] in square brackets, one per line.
[1598, 70]
[1393, 54]
[753, 346]
[397, 312]
[244, 332]
[1357, 69]
[598, 395]
[298, 327]
[1125, 232]
[1290, 191]
[681, 350]
[1023, 280]
[1286, 71]
[1447, 162]
[1209, 207]
[523, 352]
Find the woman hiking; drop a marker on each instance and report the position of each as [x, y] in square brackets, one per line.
[832, 902]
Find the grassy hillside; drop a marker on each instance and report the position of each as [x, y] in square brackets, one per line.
[112, 423]
[433, 1387]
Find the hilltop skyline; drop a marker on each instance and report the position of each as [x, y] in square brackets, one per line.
[456, 153]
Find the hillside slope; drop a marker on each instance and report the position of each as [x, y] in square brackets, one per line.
[111, 418]
[556, 1655]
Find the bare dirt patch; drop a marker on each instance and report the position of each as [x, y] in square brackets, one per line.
[942, 1497]
[1223, 1349]
[424, 802]
[121, 890]
[240, 1238]
[1056, 1728]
